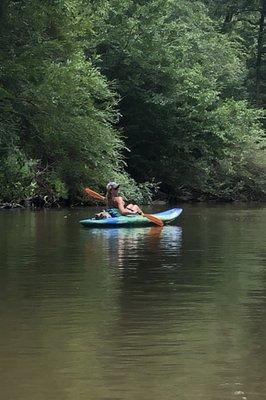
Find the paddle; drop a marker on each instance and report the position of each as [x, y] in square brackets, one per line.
[93, 194]
[98, 196]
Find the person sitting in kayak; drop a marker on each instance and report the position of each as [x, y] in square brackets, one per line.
[116, 206]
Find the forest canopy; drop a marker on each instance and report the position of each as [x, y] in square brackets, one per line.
[151, 93]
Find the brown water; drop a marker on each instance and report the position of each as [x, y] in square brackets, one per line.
[133, 314]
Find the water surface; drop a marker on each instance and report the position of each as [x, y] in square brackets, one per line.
[133, 314]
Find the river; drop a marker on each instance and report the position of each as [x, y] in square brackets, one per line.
[177, 313]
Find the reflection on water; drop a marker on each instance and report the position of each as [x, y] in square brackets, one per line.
[143, 313]
[124, 247]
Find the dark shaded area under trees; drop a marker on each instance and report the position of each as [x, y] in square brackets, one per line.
[167, 93]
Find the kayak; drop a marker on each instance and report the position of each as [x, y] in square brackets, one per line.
[132, 220]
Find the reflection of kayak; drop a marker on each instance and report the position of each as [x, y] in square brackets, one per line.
[132, 220]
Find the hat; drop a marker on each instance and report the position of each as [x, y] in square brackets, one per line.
[112, 185]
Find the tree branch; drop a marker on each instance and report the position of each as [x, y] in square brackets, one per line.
[243, 11]
[247, 20]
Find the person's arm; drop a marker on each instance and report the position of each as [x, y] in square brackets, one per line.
[121, 207]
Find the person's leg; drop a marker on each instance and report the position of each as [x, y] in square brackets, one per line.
[101, 215]
[134, 208]
[106, 214]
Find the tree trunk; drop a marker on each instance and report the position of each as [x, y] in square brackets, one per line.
[260, 45]
[228, 20]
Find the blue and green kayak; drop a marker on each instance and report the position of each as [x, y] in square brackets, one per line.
[131, 220]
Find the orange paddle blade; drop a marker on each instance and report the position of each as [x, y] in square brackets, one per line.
[93, 194]
[153, 219]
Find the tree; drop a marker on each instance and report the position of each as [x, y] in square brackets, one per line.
[180, 82]
[244, 20]
[57, 110]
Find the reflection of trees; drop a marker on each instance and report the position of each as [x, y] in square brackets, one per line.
[193, 318]
[39, 246]
[135, 312]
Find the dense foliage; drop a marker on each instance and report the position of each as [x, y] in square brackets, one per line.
[171, 87]
[243, 21]
[58, 112]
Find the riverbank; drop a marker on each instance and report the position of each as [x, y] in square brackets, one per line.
[39, 203]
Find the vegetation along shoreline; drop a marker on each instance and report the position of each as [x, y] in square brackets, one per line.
[138, 92]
